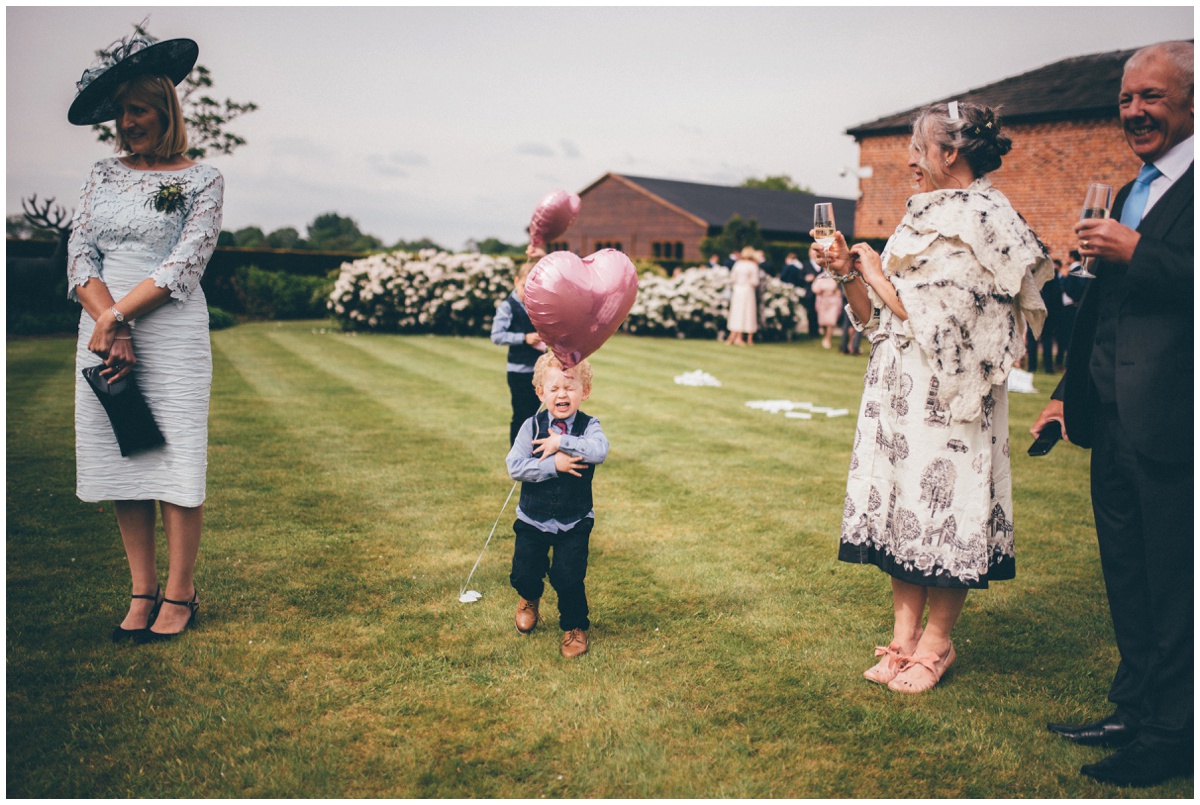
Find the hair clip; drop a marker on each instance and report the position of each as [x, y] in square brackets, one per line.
[953, 108]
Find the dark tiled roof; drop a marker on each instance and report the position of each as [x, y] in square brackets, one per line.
[780, 213]
[1079, 88]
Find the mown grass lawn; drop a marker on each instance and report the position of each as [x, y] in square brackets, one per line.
[352, 482]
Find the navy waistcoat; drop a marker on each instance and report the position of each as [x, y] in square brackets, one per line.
[521, 354]
[564, 497]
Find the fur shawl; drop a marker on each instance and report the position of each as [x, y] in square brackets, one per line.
[968, 270]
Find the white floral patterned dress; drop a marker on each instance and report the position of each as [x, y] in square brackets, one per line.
[929, 495]
[119, 237]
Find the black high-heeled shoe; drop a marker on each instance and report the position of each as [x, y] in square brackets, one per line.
[147, 636]
[119, 634]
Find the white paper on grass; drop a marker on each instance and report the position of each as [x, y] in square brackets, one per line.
[1021, 382]
[696, 378]
[796, 410]
[470, 596]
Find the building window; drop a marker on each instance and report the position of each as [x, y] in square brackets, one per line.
[558, 246]
[667, 250]
[608, 244]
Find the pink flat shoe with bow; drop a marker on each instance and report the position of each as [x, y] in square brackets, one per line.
[885, 670]
[922, 672]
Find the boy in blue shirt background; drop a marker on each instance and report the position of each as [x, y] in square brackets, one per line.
[511, 327]
[554, 456]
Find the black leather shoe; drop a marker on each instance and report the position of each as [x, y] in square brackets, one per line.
[1140, 764]
[1111, 731]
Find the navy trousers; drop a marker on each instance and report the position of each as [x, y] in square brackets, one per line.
[531, 564]
[525, 402]
[1144, 520]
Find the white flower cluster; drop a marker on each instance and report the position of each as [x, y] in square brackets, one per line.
[695, 304]
[426, 292]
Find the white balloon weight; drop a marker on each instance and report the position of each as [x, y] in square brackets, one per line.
[470, 596]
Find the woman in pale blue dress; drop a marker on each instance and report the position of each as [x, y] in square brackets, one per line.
[145, 228]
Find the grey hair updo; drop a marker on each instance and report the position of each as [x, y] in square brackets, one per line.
[976, 133]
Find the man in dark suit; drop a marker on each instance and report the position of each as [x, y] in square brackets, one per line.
[1128, 395]
[791, 271]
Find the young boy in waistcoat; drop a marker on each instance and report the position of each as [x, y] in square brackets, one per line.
[555, 456]
[512, 328]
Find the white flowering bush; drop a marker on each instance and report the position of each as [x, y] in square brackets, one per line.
[457, 294]
[426, 292]
[695, 304]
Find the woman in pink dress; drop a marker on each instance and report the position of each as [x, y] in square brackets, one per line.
[829, 305]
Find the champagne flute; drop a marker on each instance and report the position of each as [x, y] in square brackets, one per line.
[823, 224]
[1097, 203]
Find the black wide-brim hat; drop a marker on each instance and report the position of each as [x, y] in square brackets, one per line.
[173, 58]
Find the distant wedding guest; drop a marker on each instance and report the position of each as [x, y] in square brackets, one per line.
[851, 335]
[714, 261]
[809, 271]
[512, 327]
[743, 306]
[1052, 299]
[929, 495]
[145, 229]
[828, 293]
[792, 271]
[1072, 287]
[1129, 395]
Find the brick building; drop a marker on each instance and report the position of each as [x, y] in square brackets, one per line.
[662, 219]
[1066, 133]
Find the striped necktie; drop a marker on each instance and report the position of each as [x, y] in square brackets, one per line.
[560, 425]
[1135, 204]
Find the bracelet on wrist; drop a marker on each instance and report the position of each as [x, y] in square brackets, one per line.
[849, 276]
[122, 337]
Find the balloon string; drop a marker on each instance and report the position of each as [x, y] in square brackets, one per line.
[498, 516]
[489, 538]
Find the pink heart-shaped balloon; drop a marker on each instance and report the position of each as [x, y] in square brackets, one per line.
[552, 216]
[577, 304]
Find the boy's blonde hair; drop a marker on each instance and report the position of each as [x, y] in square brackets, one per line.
[523, 272]
[581, 371]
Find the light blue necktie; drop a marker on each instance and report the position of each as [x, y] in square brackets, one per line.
[1135, 204]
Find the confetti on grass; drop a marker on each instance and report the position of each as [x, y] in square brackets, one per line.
[796, 410]
[697, 378]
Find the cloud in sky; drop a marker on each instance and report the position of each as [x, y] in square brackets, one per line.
[405, 119]
[535, 150]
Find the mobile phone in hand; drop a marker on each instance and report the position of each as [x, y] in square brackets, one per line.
[1051, 433]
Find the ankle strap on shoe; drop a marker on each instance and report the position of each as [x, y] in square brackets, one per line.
[153, 597]
[189, 603]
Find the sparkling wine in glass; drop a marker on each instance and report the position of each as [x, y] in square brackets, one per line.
[823, 224]
[1096, 204]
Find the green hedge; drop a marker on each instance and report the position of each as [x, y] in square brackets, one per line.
[278, 295]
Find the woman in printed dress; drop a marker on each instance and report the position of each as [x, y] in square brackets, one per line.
[145, 228]
[929, 495]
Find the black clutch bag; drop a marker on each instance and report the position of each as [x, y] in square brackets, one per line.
[131, 419]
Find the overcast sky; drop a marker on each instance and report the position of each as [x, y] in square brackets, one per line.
[450, 123]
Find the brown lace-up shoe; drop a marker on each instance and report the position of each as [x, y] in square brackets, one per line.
[527, 615]
[574, 643]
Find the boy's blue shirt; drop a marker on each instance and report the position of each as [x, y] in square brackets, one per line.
[524, 466]
[501, 334]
